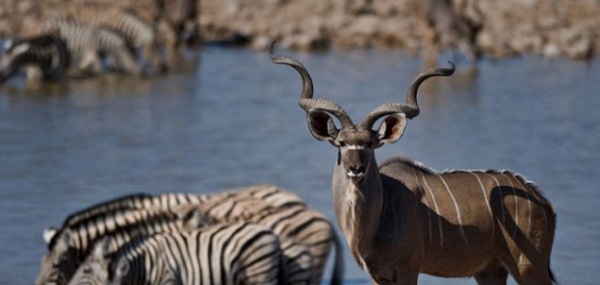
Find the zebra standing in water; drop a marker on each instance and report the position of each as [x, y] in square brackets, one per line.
[232, 254]
[138, 34]
[47, 53]
[88, 44]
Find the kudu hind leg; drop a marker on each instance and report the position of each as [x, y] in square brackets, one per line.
[528, 274]
[494, 274]
[532, 275]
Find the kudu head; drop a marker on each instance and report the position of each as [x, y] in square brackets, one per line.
[357, 142]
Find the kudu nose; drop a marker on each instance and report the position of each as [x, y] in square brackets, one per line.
[356, 171]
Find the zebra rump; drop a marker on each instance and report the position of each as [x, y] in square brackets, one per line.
[48, 52]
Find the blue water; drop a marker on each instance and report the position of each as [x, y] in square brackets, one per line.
[230, 118]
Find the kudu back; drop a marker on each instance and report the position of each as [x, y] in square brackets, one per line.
[401, 218]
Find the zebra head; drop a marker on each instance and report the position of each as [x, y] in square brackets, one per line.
[95, 269]
[13, 57]
[60, 262]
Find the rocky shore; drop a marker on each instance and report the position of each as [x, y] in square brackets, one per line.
[551, 28]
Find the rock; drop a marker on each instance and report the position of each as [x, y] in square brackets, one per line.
[576, 44]
[261, 43]
[551, 50]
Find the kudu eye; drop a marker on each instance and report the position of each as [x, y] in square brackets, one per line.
[370, 144]
[342, 144]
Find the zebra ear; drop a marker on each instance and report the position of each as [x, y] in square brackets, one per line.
[191, 216]
[49, 233]
[122, 268]
[64, 240]
[102, 249]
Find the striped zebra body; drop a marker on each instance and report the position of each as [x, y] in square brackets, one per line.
[295, 224]
[136, 32]
[48, 53]
[239, 253]
[88, 44]
[69, 246]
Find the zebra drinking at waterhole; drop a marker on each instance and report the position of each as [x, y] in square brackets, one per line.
[46, 54]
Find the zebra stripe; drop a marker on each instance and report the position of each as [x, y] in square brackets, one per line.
[138, 33]
[240, 253]
[297, 224]
[87, 43]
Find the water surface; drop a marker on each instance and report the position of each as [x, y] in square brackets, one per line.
[231, 118]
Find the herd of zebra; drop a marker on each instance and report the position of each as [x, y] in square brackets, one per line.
[260, 234]
[89, 40]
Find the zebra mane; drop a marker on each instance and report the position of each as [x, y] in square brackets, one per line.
[124, 221]
[102, 207]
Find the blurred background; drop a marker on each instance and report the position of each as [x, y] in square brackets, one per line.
[200, 107]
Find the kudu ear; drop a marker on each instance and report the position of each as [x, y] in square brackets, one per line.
[322, 127]
[391, 129]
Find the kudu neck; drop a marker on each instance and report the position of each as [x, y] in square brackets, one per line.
[358, 205]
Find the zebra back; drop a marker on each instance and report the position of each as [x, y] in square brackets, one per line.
[137, 32]
[127, 202]
[84, 40]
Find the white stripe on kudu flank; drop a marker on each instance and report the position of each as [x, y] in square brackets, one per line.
[437, 210]
[462, 231]
[356, 147]
[428, 209]
[501, 198]
[512, 186]
[487, 203]
[537, 200]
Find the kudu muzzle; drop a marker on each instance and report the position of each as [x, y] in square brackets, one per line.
[353, 163]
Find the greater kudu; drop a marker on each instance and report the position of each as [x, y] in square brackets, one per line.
[402, 218]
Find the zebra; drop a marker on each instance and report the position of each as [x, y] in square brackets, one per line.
[48, 53]
[68, 246]
[225, 254]
[295, 223]
[137, 33]
[88, 44]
